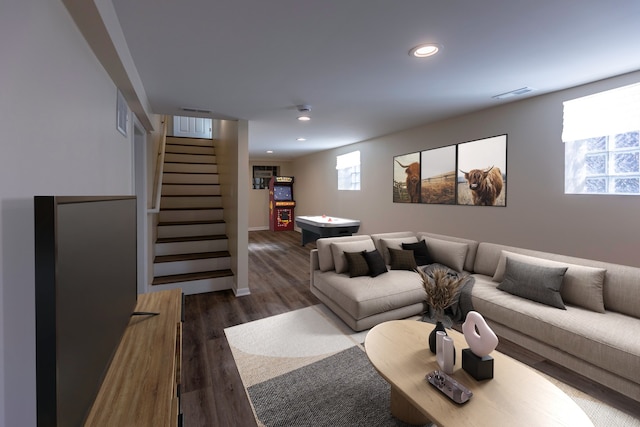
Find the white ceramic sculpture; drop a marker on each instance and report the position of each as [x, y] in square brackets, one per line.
[445, 352]
[481, 339]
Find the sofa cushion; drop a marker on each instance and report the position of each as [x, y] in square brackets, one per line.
[325, 255]
[366, 296]
[381, 247]
[395, 243]
[338, 249]
[533, 282]
[375, 263]
[420, 252]
[451, 254]
[357, 264]
[608, 340]
[402, 259]
[581, 286]
[472, 245]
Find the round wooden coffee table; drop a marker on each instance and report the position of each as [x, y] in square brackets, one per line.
[517, 394]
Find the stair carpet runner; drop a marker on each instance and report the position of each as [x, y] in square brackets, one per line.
[191, 249]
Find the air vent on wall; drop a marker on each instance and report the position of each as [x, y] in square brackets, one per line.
[516, 92]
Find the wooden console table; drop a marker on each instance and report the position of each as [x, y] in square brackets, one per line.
[141, 386]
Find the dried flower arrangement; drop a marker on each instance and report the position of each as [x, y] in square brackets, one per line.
[441, 287]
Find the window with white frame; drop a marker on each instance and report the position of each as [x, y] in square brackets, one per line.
[348, 167]
[601, 133]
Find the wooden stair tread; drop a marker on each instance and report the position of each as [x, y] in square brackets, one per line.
[161, 280]
[185, 138]
[179, 145]
[189, 173]
[190, 238]
[167, 162]
[198, 222]
[191, 195]
[189, 183]
[193, 256]
[190, 153]
[189, 208]
[186, 153]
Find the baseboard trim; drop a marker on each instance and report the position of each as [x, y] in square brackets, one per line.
[242, 292]
[266, 228]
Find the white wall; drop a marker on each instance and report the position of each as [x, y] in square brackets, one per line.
[538, 214]
[259, 199]
[57, 114]
[232, 154]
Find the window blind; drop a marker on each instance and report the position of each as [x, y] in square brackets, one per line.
[606, 113]
[348, 160]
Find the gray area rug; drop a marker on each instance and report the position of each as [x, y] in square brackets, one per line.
[341, 390]
[307, 368]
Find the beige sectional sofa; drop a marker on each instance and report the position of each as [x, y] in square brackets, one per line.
[596, 335]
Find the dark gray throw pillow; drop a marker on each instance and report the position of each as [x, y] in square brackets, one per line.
[375, 263]
[534, 282]
[357, 264]
[402, 259]
[420, 252]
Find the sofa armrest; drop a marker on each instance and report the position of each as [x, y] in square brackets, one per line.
[314, 264]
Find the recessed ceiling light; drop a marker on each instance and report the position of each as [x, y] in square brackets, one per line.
[425, 50]
[301, 139]
[304, 110]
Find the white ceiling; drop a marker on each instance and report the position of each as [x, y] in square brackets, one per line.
[348, 60]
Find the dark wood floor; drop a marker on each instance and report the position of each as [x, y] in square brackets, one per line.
[212, 392]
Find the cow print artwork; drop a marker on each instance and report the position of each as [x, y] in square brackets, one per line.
[470, 173]
[438, 176]
[485, 185]
[406, 178]
[482, 172]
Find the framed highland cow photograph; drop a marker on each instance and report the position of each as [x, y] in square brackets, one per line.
[406, 178]
[438, 176]
[482, 172]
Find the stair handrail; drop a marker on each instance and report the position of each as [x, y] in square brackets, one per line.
[157, 187]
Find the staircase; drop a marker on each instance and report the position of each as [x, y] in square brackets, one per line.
[191, 245]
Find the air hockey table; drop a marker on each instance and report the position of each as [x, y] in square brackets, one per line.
[315, 227]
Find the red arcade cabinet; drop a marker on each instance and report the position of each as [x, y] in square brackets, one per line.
[281, 203]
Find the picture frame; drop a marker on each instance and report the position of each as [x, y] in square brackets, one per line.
[438, 175]
[406, 178]
[482, 172]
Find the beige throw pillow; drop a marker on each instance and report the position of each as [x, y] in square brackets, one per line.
[325, 255]
[451, 254]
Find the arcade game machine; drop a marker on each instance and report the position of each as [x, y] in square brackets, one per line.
[281, 203]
